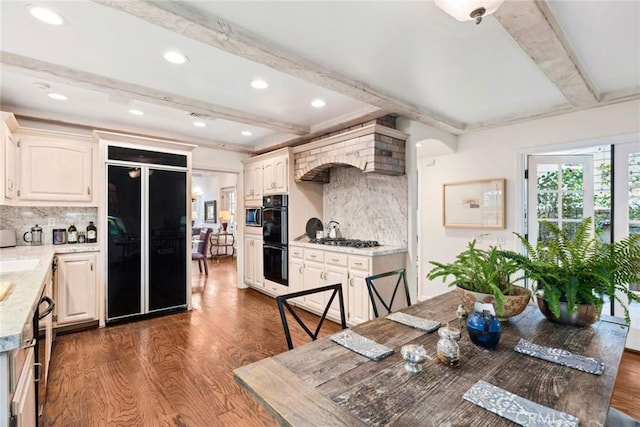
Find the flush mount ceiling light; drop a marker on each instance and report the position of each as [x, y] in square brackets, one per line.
[318, 103]
[469, 10]
[199, 124]
[57, 96]
[259, 84]
[136, 112]
[46, 15]
[246, 133]
[175, 57]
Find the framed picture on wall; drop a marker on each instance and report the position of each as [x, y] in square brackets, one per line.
[474, 204]
[210, 211]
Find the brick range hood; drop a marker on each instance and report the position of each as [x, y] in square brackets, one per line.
[372, 148]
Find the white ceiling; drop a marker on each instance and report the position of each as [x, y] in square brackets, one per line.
[364, 58]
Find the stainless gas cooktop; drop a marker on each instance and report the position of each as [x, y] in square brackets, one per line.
[351, 243]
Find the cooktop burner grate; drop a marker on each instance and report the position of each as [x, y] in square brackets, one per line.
[351, 243]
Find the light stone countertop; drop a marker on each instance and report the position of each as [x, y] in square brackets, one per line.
[18, 306]
[373, 251]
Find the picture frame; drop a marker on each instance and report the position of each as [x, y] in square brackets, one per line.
[210, 211]
[474, 204]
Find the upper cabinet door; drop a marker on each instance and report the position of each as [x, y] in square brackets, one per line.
[11, 163]
[55, 169]
[276, 175]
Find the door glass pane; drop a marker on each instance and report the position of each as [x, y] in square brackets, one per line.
[572, 205]
[167, 234]
[547, 205]
[124, 231]
[547, 177]
[572, 177]
[634, 204]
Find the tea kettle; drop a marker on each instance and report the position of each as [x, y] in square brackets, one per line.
[35, 236]
[334, 230]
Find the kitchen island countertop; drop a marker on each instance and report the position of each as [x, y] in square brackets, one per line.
[19, 304]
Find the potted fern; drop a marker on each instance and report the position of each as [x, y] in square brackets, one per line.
[575, 271]
[484, 276]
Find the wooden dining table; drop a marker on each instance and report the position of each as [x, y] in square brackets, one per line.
[325, 384]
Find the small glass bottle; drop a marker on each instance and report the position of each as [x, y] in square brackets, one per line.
[447, 349]
[81, 237]
[92, 233]
[72, 234]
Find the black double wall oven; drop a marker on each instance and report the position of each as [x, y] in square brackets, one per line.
[275, 238]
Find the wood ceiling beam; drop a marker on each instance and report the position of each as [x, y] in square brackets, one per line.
[120, 88]
[187, 21]
[533, 27]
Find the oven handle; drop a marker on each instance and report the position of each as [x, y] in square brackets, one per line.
[47, 311]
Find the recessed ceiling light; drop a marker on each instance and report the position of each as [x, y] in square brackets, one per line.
[57, 96]
[46, 15]
[199, 124]
[136, 112]
[318, 103]
[247, 133]
[175, 57]
[259, 84]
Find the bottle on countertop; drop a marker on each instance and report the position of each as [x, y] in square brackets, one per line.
[81, 237]
[72, 234]
[92, 233]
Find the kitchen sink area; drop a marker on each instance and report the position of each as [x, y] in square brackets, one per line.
[11, 265]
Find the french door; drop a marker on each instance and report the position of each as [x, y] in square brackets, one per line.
[560, 191]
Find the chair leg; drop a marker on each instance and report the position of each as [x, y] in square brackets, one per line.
[199, 266]
[206, 267]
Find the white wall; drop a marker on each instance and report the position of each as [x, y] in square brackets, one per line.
[498, 153]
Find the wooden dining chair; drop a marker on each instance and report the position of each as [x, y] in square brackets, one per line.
[383, 292]
[203, 248]
[283, 303]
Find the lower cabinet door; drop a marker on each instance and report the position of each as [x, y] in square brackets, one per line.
[334, 275]
[23, 404]
[314, 278]
[359, 304]
[76, 288]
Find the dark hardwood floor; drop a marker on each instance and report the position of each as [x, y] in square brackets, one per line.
[177, 370]
[174, 370]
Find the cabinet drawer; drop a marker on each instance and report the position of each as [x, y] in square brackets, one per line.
[334, 258]
[296, 252]
[359, 263]
[313, 255]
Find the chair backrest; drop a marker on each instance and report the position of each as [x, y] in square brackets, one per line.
[282, 303]
[383, 291]
[203, 245]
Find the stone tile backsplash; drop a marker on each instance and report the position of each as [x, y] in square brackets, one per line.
[367, 206]
[22, 218]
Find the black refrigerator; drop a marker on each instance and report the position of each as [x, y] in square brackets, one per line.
[147, 231]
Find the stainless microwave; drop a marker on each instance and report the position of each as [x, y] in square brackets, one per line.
[253, 217]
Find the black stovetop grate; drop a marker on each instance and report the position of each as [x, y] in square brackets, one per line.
[351, 243]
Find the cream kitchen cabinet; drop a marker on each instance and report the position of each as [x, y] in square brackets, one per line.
[326, 266]
[10, 162]
[75, 288]
[276, 174]
[321, 269]
[53, 169]
[253, 275]
[253, 182]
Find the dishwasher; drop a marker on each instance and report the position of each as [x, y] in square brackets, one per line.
[25, 369]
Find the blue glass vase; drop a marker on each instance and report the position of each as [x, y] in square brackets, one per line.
[484, 329]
